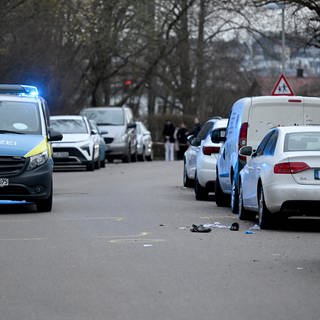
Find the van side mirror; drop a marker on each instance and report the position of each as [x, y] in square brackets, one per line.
[94, 132]
[246, 151]
[55, 135]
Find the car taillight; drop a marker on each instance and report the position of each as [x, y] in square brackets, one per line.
[290, 167]
[243, 138]
[209, 150]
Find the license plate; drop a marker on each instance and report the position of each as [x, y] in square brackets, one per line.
[317, 174]
[61, 154]
[4, 182]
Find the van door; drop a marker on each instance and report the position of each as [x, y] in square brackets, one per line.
[271, 114]
[311, 111]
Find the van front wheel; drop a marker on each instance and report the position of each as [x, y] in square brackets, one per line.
[222, 199]
[234, 196]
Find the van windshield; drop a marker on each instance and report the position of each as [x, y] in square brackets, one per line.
[19, 117]
[107, 117]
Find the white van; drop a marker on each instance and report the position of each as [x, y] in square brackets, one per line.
[250, 119]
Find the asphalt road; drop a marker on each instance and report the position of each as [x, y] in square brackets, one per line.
[117, 246]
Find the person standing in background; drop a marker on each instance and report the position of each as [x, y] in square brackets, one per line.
[182, 134]
[168, 135]
[197, 126]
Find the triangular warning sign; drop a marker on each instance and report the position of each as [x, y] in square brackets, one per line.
[282, 87]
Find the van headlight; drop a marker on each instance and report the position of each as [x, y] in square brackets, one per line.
[37, 160]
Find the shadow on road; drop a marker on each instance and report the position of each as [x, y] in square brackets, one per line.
[301, 224]
[17, 208]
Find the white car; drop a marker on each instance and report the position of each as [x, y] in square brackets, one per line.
[282, 177]
[79, 145]
[205, 174]
[144, 142]
[196, 144]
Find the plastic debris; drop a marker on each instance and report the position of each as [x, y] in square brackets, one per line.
[249, 232]
[217, 225]
[147, 245]
[255, 227]
[200, 228]
[234, 226]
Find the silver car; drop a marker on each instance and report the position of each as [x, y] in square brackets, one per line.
[118, 130]
[144, 142]
[282, 177]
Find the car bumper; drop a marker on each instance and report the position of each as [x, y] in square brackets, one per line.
[73, 156]
[29, 185]
[116, 149]
[282, 197]
[206, 172]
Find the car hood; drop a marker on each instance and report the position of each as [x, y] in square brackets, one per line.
[19, 145]
[73, 137]
[112, 131]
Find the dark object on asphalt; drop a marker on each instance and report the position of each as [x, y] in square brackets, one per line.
[199, 228]
[234, 227]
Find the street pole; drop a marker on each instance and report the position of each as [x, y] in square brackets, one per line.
[283, 59]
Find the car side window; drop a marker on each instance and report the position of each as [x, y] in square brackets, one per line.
[271, 145]
[263, 143]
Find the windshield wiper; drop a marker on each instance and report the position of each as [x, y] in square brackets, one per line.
[9, 131]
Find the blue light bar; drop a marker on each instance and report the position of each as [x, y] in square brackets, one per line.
[19, 90]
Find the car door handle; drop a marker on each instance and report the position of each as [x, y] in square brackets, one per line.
[224, 153]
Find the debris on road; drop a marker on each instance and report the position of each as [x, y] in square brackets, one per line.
[234, 226]
[255, 227]
[249, 232]
[200, 228]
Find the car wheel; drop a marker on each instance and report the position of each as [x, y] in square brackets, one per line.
[103, 163]
[187, 182]
[134, 157]
[91, 165]
[222, 199]
[97, 164]
[200, 192]
[243, 213]
[127, 158]
[45, 205]
[150, 157]
[263, 213]
[110, 159]
[234, 196]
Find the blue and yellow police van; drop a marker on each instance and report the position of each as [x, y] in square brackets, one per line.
[26, 165]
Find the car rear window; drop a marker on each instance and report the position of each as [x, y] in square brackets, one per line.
[302, 141]
[72, 126]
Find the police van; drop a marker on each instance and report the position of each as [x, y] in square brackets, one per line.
[26, 163]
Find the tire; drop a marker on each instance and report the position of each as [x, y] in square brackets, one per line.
[187, 182]
[103, 163]
[110, 159]
[140, 157]
[45, 205]
[264, 216]
[97, 164]
[91, 165]
[234, 196]
[127, 158]
[200, 192]
[222, 199]
[243, 214]
[134, 157]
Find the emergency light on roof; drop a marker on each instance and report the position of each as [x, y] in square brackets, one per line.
[19, 90]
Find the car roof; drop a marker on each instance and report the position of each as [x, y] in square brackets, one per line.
[102, 108]
[8, 97]
[71, 117]
[289, 129]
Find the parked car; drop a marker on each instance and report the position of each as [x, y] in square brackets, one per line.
[79, 145]
[26, 152]
[195, 145]
[144, 142]
[250, 119]
[118, 130]
[102, 145]
[281, 177]
[206, 160]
